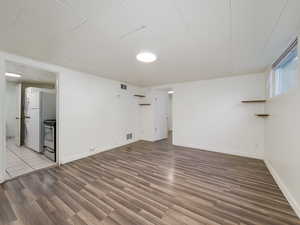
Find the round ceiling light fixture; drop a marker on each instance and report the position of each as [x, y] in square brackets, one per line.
[146, 57]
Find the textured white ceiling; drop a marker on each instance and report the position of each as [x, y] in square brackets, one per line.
[193, 39]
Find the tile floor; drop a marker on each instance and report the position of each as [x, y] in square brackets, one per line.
[21, 160]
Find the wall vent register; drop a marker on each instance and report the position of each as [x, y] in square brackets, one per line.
[129, 136]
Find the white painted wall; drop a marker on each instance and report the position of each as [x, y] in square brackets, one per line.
[209, 115]
[282, 143]
[11, 111]
[95, 113]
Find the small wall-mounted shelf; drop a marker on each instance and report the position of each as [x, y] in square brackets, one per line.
[144, 104]
[140, 96]
[262, 115]
[254, 101]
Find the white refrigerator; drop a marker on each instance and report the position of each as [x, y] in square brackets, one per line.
[39, 105]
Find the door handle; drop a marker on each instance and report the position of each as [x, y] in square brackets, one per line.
[27, 117]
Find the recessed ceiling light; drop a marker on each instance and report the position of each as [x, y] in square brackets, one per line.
[171, 92]
[146, 57]
[13, 75]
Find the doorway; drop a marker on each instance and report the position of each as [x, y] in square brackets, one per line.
[163, 115]
[30, 119]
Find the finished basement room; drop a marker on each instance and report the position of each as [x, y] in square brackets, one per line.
[169, 112]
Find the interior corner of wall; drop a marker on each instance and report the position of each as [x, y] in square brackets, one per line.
[285, 190]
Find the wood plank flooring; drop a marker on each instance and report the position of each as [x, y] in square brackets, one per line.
[148, 184]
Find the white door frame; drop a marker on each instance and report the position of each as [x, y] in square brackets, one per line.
[31, 63]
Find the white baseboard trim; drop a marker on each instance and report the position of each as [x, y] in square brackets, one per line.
[72, 158]
[294, 204]
[82, 156]
[228, 152]
[2, 179]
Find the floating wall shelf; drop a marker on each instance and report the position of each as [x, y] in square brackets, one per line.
[262, 115]
[254, 101]
[144, 104]
[140, 96]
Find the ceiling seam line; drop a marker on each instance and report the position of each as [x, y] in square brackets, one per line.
[275, 27]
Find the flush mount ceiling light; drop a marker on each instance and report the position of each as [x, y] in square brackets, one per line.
[146, 57]
[170, 92]
[13, 75]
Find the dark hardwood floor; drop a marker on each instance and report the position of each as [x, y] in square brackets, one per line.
[148, 183]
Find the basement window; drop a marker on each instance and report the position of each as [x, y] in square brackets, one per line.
[285, 72]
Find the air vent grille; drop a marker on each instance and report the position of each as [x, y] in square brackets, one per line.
[129, 136]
